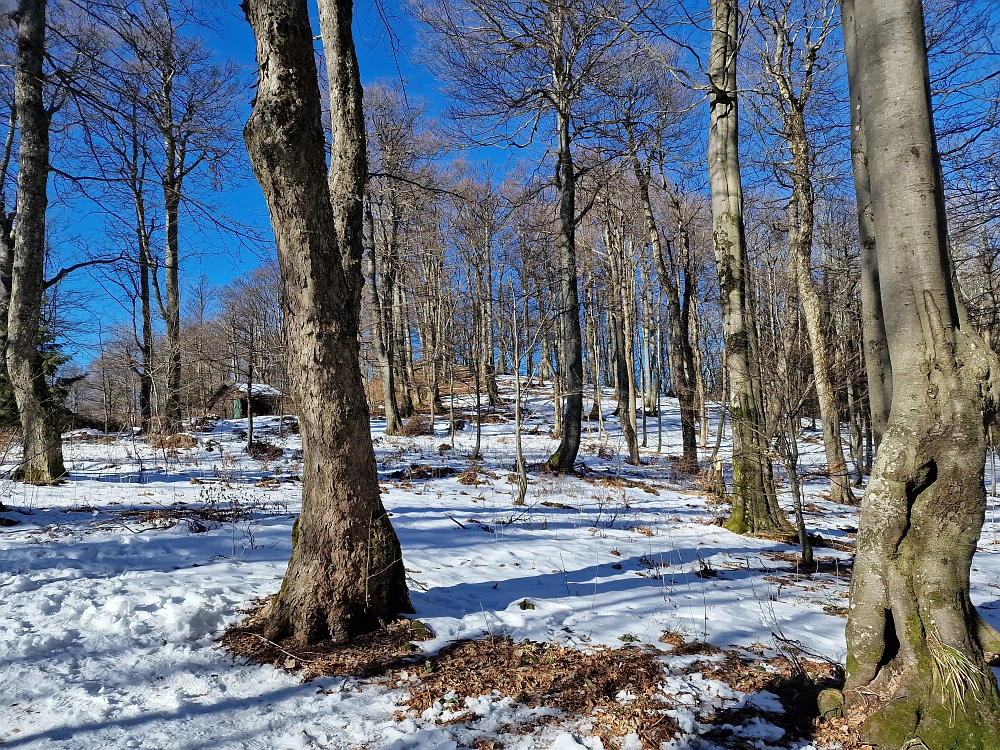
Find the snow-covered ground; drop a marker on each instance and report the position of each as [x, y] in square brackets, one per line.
[110, 609]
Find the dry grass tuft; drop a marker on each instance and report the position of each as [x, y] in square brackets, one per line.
[177, 441]
[416, 426]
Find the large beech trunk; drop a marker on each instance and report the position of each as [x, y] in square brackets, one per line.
[755, 506]
[42, 460]
[346, 571]
[915, 642]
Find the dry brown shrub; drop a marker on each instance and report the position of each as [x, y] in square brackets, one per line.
[177, 441]
[263, 451]
[493, 419]
[475, 476]
[416, 426]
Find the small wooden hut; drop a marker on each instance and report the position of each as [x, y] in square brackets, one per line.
[238, 400]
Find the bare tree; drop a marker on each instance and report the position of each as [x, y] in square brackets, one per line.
[512, 67]
[346, 570]
[169, 111]
[755, 506]
[794, 54]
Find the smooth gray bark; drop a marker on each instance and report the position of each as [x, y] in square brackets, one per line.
[876, 349]
[570, 341]
[915, 662]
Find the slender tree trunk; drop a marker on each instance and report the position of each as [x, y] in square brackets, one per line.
[800, 241]
[915, 660]
[346, 570]
[570, 344]
[401, 333]
[755, 506]
[701, 394]
[678, 318]
[382, 328]
[590, 334]
[146, 344]
[476, 455]
[522, 468]
[171, 195]
[626, 289]
[622, 390]
[791, 461]
[250, 397]
[42, 460]
[6, 239]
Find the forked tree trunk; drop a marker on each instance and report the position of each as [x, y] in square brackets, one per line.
[915, 660]
[876, 349]
[42, 460]
[346, 571]
[755, 506]
[570, 344]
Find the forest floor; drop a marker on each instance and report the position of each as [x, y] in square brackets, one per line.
[611, 611]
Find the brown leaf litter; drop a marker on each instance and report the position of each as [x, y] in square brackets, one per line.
[616, 692]
[578, 684]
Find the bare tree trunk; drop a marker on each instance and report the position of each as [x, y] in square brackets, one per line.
[622, 390]
[800, 245]
[915, 660]
[570, 344]
[173, 308]
[699, 378]
[755, 506]
[173, 169]
[476, 455]
[522, 468]
[42, 460]
[146, 345]
[346, 570]
[382, 328]
[678, 318]
[800, 241]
